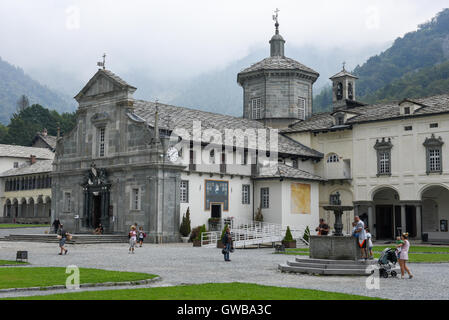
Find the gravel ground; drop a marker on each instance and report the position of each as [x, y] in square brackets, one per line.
[182, 264]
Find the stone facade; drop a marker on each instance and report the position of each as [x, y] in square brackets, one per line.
[110, 171]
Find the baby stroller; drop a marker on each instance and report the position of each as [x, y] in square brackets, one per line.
[387, 263]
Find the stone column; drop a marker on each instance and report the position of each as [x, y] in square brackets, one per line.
[19, 210]
[403, 219]
[371, 219]
[418, 222]
[35, 212]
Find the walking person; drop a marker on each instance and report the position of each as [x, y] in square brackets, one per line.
[132, 235]
[227, 244]
[62, 234]
[142, 236]
[403, 256]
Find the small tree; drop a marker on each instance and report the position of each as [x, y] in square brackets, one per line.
[224, 231]
[288, 235]
[201, 231]
[185, 225]
[306, 235]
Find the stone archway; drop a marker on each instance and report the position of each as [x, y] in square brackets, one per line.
[387, 212]
[435, 212]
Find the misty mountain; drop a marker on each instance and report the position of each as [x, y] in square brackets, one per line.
[414, 66]
[14, 83]
[218, 91]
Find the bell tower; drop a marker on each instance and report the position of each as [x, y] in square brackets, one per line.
[343, 88]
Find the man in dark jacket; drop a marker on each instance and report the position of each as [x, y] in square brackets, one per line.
[227, 244]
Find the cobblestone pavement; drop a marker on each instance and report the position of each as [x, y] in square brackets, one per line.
[182, 264]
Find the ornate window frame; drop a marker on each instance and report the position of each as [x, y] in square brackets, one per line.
[434, 145]
[383, 150]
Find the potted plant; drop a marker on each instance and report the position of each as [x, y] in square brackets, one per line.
[288, 241]
[184, 230]
[219, 241]
[197, 239]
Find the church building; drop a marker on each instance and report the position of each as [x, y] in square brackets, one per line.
[130, 161]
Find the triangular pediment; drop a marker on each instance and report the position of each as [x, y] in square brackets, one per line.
[103, 82]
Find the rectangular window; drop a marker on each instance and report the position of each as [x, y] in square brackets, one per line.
[67, 202]
[246, 194]
[256, 106]
[265, 198]
[16, 165]
[295, 163]
[407, 110]
[433, 125]
[184, 191]
[384, 162]
[435, 160]
[408, 128]
[102, 142]
[302, 108]
[136, 199]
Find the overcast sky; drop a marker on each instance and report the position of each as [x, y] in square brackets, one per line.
[187, 37]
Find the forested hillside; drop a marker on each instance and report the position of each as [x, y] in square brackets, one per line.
[414, 66]
[14, 83]
[25, 124]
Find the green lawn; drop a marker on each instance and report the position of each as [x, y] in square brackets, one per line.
[7, 262]
[17, 226]
[17, 277]
[427, 254]
[212, 291]
[417, 249]
[424, 258]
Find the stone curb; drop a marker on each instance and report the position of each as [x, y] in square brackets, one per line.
[85, 285]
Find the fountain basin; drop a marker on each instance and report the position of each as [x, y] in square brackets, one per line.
[334, 248]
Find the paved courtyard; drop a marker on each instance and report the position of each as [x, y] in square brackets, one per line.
[182, 264]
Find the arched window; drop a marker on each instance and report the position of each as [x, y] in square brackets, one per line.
[339, 91]
[350, 91]
[333, 158]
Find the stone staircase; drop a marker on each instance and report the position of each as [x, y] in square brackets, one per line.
[329, 267]
[76, 239]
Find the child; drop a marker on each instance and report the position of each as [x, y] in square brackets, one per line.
[354, 228]
[142, 235]
[398, 248]
[132, 235]
[369, 242]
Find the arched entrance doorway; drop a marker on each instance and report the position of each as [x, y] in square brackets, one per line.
[387, 213]
[435, 213]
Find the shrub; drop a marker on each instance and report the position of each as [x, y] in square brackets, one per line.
[224, 231]
[288, 235]
[202, 229]
[185, 225]
[195, 232]
[306, 235]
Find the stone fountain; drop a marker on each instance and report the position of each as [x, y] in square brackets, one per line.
[336, 254]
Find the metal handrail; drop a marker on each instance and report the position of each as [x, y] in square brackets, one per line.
[245, 232]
